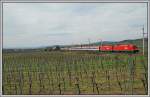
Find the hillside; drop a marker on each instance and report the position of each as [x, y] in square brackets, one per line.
[137, 42]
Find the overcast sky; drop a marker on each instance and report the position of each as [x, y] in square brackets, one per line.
[45, 24]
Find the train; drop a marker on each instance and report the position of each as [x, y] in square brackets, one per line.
[128, 48]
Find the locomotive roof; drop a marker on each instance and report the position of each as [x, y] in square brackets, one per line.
[118, 45]
[126, 44]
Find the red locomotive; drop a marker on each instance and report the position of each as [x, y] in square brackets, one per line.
[119, 48]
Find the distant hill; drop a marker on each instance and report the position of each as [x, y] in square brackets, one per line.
[137, 42]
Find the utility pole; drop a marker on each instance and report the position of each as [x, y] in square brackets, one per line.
[89, 42]
[101, 42]
[143, 39]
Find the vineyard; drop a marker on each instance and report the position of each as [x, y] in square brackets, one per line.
[74, 73]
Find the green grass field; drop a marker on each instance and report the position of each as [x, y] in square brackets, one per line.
[73, 73]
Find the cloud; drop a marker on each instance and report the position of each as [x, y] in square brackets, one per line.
[36, 24]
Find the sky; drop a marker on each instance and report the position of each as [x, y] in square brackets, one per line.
[31, 25]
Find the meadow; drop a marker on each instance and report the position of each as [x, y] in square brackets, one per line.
[74, 73]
